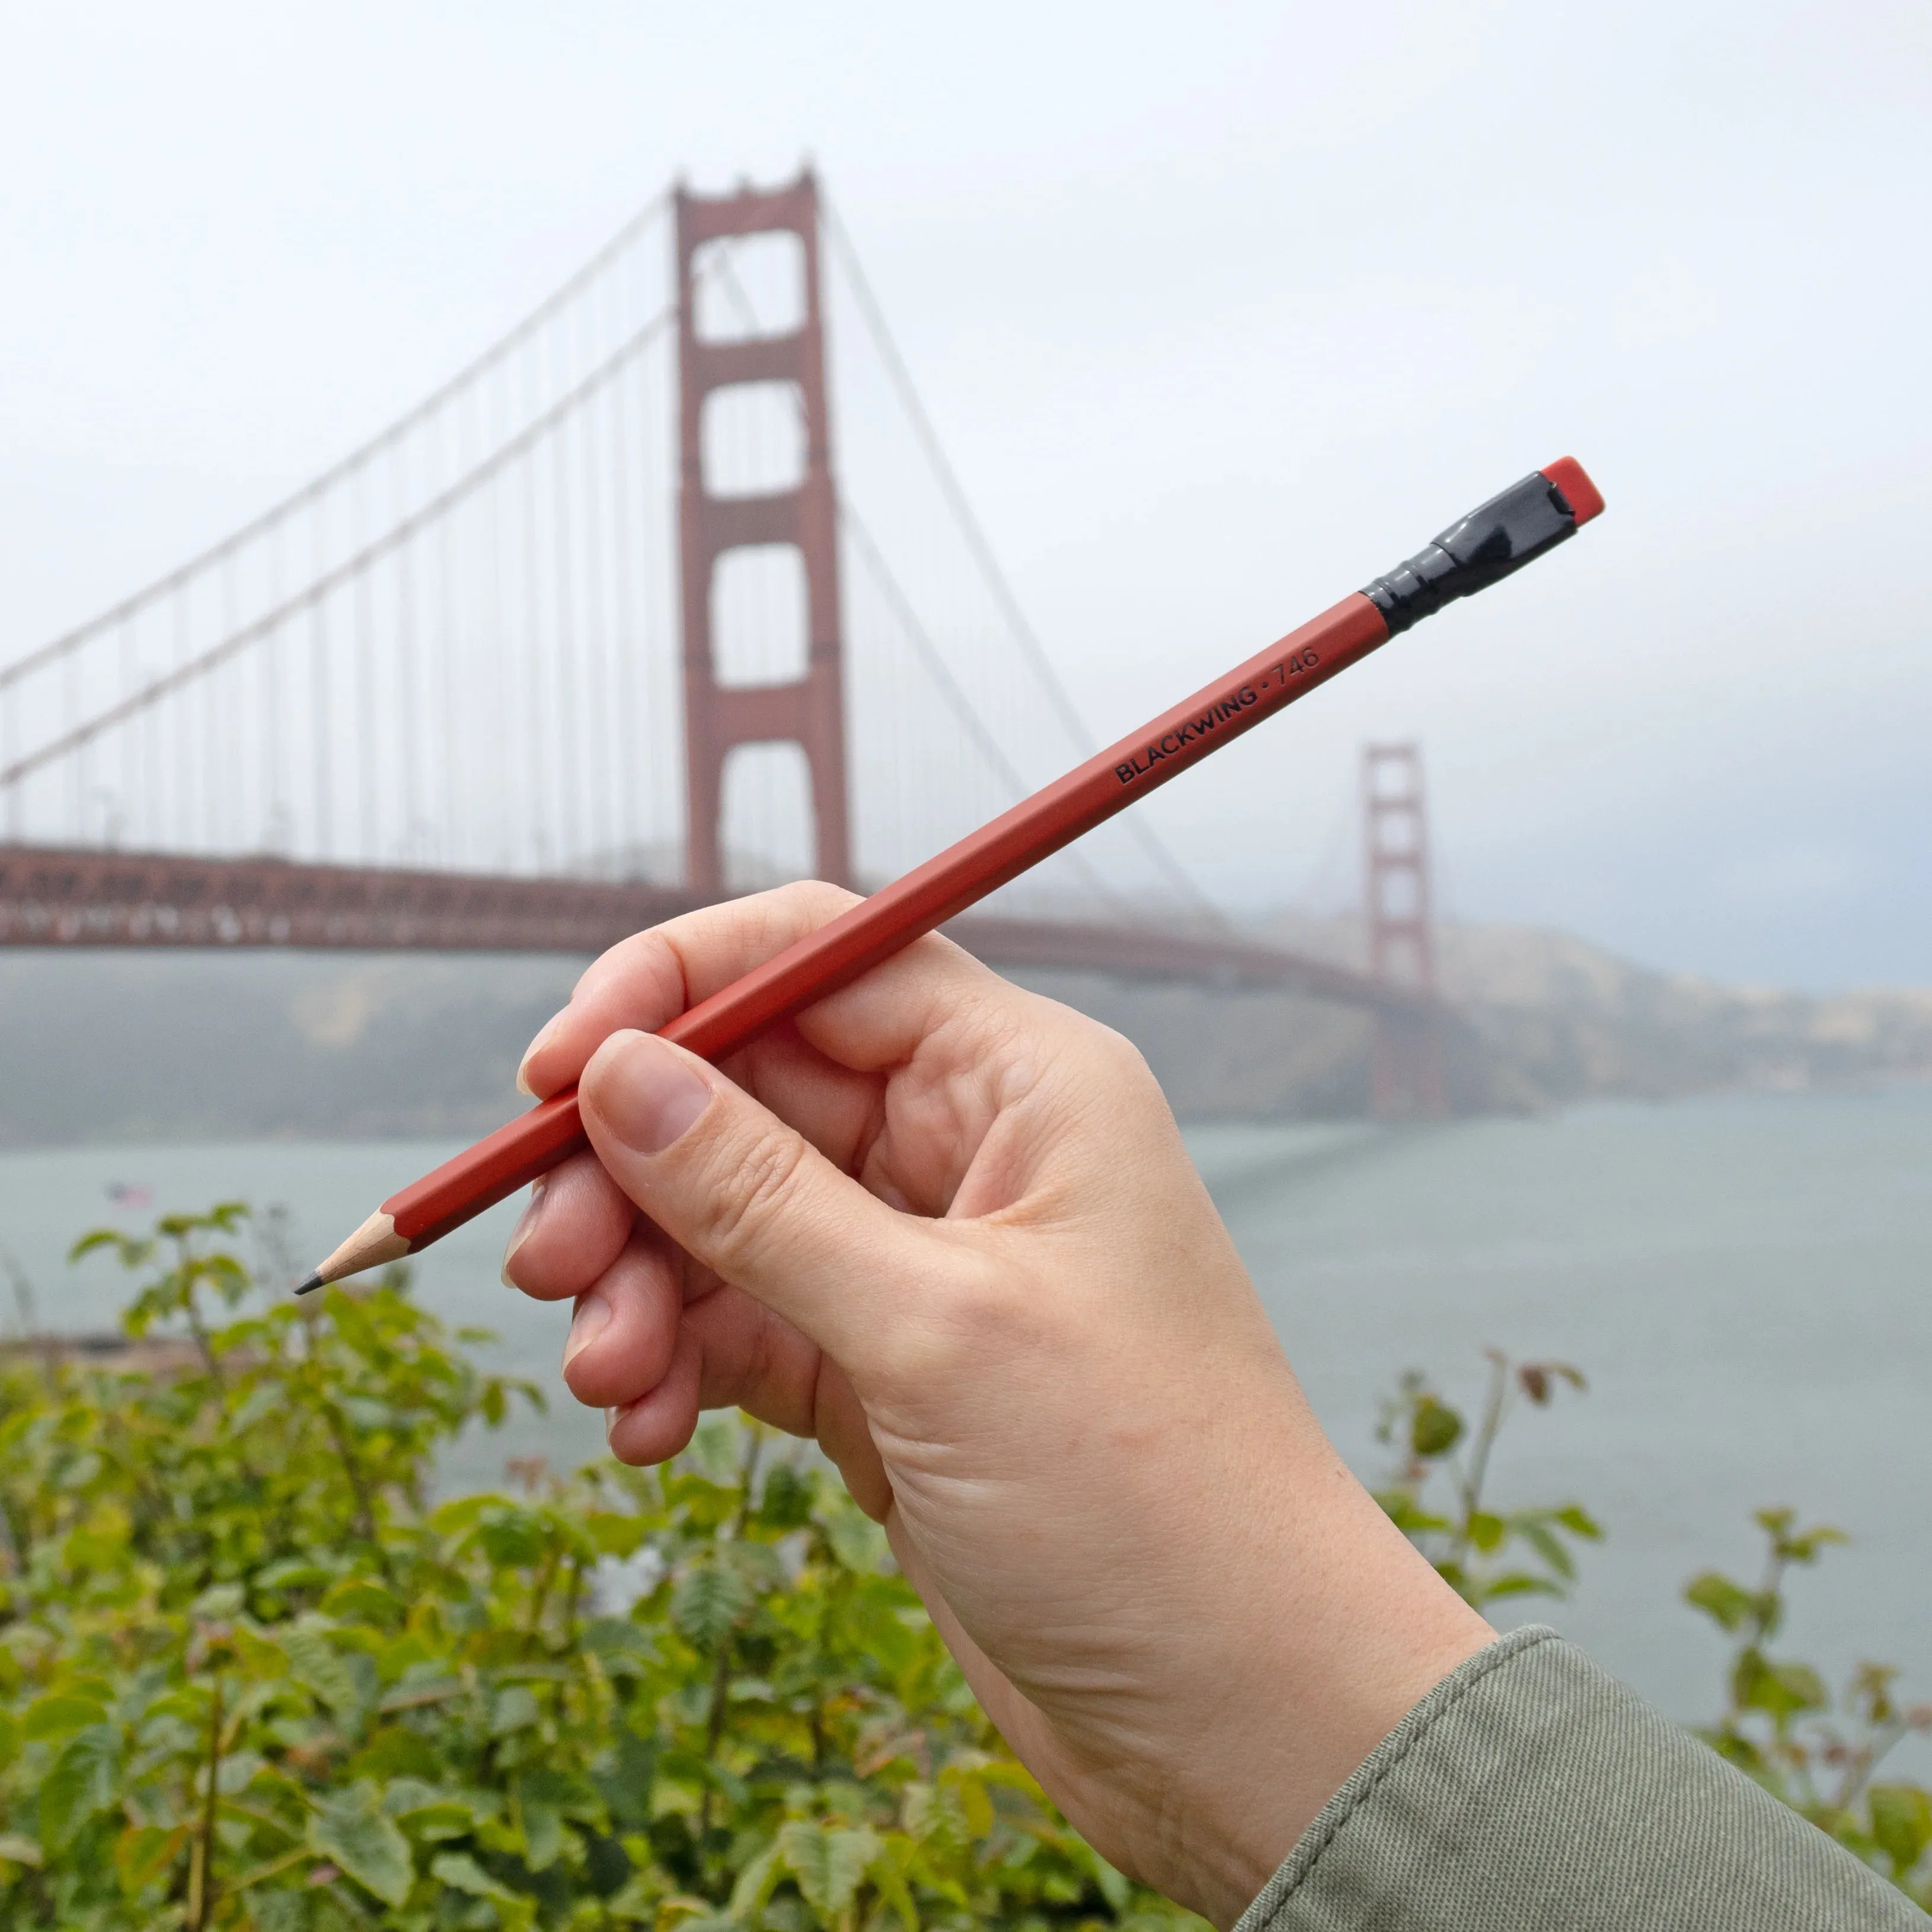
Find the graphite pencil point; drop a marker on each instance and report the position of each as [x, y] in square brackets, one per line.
[312, 1282]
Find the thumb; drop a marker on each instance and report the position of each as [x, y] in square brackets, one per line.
[746, 1195]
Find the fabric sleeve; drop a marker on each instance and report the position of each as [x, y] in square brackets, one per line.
[1530, 1792]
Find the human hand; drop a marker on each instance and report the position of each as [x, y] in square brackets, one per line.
[948, 1228]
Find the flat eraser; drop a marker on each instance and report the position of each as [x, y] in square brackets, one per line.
[1585, 499]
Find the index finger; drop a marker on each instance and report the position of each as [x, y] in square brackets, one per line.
[646, 981]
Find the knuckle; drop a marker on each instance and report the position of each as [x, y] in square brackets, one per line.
[817, 898]
[639, 981]
[786, 912]
[754, 1182]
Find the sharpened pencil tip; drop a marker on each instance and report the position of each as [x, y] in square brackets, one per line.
[312, 1282]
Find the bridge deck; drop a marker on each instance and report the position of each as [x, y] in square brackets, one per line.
[62, 896]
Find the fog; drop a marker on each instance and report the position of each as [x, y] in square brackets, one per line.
[1220, 312]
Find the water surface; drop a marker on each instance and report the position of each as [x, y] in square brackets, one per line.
[1743, 1280]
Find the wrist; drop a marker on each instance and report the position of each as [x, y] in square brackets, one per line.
[1337, 1627]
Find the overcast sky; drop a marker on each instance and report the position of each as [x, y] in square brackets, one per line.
[1220, 310]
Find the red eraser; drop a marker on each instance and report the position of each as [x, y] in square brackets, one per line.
[1585, 499]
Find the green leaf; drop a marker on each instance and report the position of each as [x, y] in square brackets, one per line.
[787, 1499]
[396, 1751]
[513, 1538]
[356, 1600]
[752, 1890]
[828, 1862]
[1434, 1427]
[624, 1648]
[708, 1603]
[1547, 1544]
[514, 1708]
[858, 1542]
[143, 1853]
[453, 1518]
[1901, 1823]
[537, 1800]
[627, 1786]
[351, 1828]
[314, 1661]
[461, 1873]
[1517, 1583]
[60, 1716]
[291, 1572]
[79, 1786]
[1408, 1514]
[1728, 1604]
[565, 1791]
[1486, 1532]
[1782, 1691]
[220, 1601]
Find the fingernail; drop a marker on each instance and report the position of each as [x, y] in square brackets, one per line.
[525, 1226]
[536, 1046]
[591, 1319]
[650, 1094]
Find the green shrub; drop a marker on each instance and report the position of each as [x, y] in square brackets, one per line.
[1781, 1724]
[1819, 1753]
[251, 1674]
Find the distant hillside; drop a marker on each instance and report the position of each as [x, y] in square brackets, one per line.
[1560, 1019]
[145, 1046]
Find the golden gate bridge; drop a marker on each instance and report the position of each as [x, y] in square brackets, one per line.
[589, 637]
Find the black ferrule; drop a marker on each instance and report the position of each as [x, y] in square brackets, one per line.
[1528, 518]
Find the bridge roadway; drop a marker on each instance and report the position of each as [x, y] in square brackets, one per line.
[86, 896]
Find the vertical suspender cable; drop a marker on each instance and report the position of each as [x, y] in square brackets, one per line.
[320, 747]
[536, 727]
[494, 760]
[406, 718]
[453, 696]
[597, 698]
[70, 716]
[130, 766]
[216, 763]
[571, 760]
[630, 643]
[1057, 694]
[184, 759]
[366, 761]
[274, 759]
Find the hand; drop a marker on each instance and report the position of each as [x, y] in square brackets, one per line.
[948, 1228]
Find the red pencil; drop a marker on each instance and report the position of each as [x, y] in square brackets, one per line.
[1502, 536]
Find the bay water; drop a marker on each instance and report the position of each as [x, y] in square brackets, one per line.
[1745, 1281]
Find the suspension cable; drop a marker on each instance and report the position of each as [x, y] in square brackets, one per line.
[977, 541]
[346, 467]
[352, 568]
[949, 689]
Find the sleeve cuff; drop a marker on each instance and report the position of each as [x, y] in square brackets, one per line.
[1531, 1791]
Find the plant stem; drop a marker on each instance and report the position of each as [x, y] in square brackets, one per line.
[365, 1508]
[201, 1871]
[191, 1308]
[721, 1675]
[1479, 1450]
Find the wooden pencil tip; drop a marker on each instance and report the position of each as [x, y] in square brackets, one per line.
[309, 1285]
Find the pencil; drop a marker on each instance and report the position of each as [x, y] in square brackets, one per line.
[1527, 519]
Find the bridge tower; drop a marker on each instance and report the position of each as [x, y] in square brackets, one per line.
[808, 711]
[1407, 1077]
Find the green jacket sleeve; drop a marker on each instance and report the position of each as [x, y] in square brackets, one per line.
[1530, 1792]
